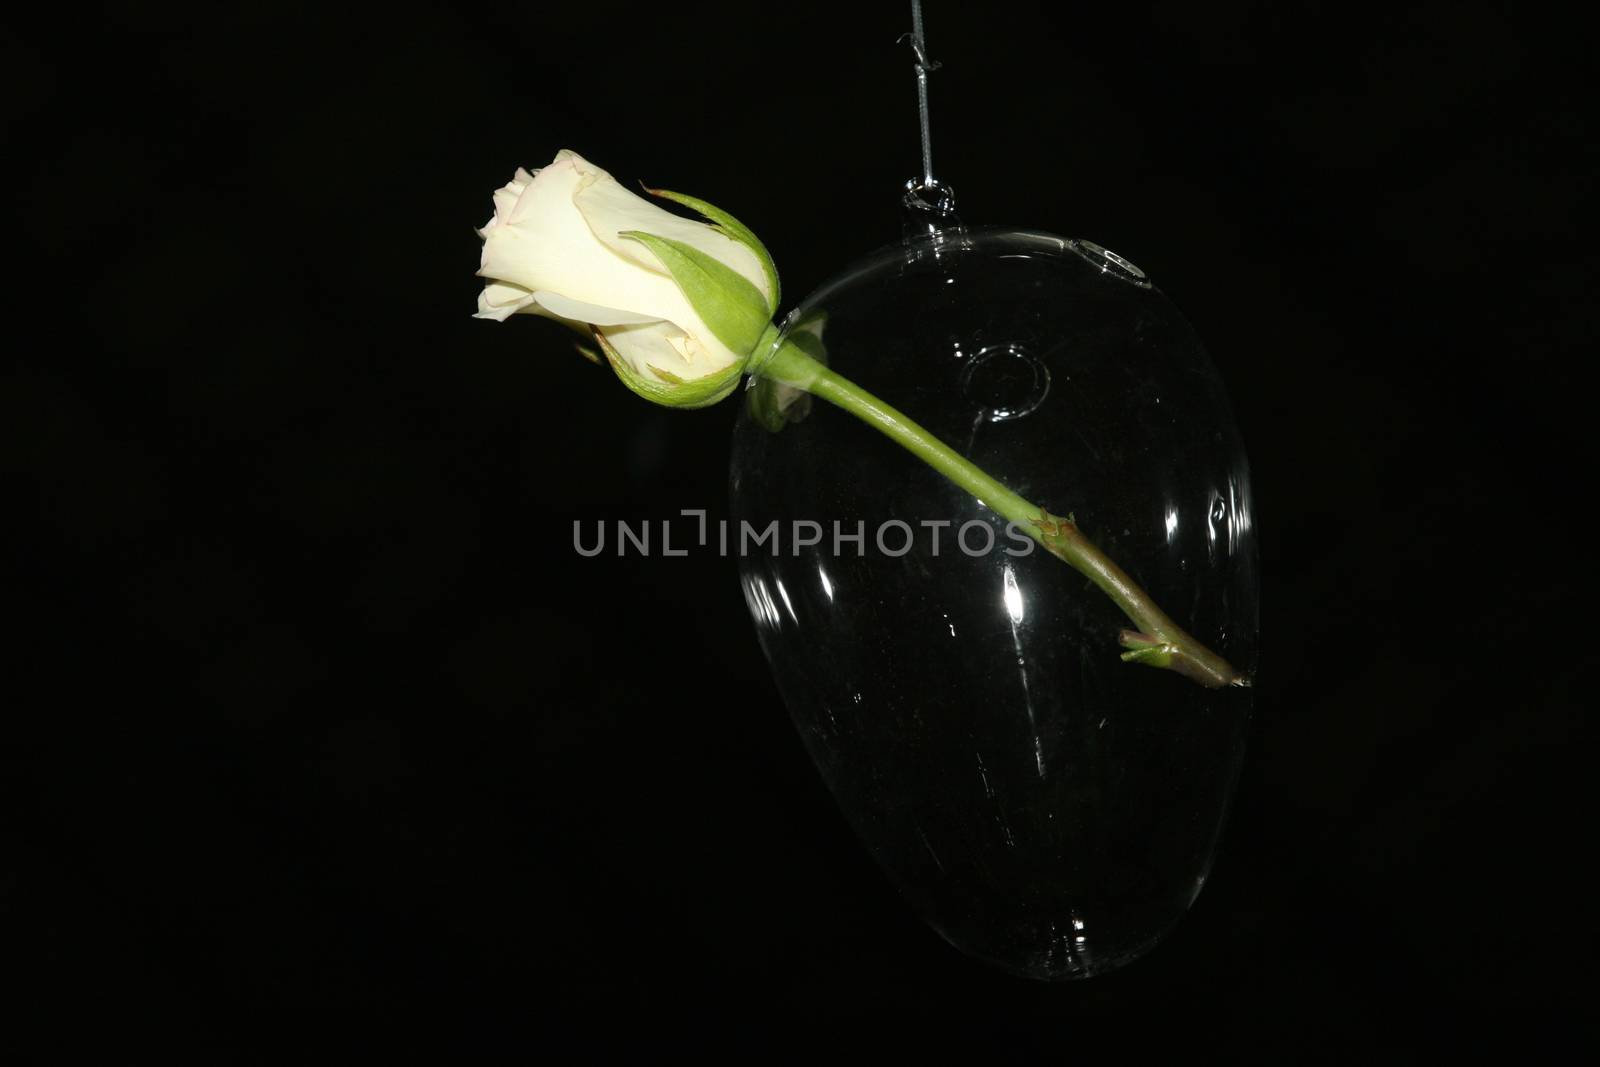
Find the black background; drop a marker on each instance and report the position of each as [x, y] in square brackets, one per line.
[319, 737]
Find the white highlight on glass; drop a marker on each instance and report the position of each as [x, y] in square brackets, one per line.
[1013, 596]
[786, 601]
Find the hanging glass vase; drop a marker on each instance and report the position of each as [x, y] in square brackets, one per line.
[1044, 799]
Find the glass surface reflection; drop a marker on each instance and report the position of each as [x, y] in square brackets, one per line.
[1042, 804]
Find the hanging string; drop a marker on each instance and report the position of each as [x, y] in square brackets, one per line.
[928, 192]
[925, 66]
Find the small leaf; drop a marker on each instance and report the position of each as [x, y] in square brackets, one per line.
[807, 335]
[775, 404]
[730, 227]
[1153, 656]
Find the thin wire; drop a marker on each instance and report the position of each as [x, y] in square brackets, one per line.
[925, 66]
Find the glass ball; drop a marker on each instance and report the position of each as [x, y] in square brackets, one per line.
[1042, 804]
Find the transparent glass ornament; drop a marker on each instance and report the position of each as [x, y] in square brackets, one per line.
[1042, 804]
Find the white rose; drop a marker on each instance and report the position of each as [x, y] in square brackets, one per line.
[555, 248]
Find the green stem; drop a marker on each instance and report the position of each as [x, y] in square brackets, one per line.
[1157, 641]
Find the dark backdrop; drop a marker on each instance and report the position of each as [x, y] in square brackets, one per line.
[317, 731]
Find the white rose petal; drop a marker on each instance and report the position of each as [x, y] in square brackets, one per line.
[563, 307]
[611, 209]
[500, 301]
[553, 248]
[659, 346]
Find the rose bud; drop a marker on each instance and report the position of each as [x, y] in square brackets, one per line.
[677, 306]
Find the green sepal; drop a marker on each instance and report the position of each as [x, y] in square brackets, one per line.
[725, 300]
[729, 226]
[674, 393]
